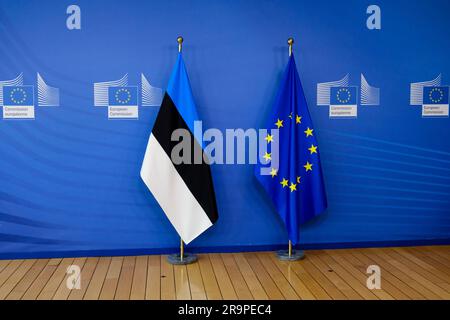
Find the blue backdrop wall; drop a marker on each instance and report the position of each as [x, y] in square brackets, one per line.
[69, 180]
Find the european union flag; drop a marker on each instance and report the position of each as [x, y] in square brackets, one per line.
[296, 187]
[18, 96]
[435, 95]
[343, 96]
[123, 96]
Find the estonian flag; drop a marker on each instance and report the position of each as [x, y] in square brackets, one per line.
[184, 191]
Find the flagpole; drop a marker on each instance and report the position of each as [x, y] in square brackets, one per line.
[181, 258]
[290, 43]
[290, 249]
[290, 255]
[180, 43]
[181, 250]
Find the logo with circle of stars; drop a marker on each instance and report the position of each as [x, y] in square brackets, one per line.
[18, 95]
[123, 96]
[436, 95]
[308, 167]
[343, 95]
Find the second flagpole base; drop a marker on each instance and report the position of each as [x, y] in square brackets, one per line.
[175, 259]
[295, 255]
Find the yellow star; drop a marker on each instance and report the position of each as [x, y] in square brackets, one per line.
[279, 123]
[273, 172]
[269, 138]
[284, 182]
[298, 119]
[290, 115]
[298, 179]
[308, 166]
[309, 132]
[267, 157]
[293, 187]
[313, 149]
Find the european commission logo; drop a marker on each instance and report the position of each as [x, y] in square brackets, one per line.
[432, 96]
[342, 99]
[18, 96]
[17, 99]
[122, 99]
[123, 102]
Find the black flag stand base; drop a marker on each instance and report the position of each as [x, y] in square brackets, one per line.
[181, 258]
[177, 260]
[290, 255]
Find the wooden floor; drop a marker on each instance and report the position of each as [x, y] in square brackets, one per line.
[406, 273]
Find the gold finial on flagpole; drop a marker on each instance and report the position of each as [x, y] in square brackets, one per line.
[290, 43]
[180, 42]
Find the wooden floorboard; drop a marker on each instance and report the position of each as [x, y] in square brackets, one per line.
[167, 280]
[263, 277]
[210, 282]
[4, 264]
[182, 289]
[63, 291]
[406, 273]
[196, 282]
[309, 268]
[15, 278]
[250, 278]
[98, 278]
[46, 283]
[123, 291]
[405, 278]
[112, 279]
[237, 280]
[139, 279]
[225, 284]
[21, 287]
[334, 277]
[153, 285]
[357, 285]
[388, 275]
[278, 278]
[295, 282]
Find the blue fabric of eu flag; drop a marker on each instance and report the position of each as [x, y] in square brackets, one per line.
[18, 96]
[296, 188]
[435, 95]
[123, 96]
[343, 96]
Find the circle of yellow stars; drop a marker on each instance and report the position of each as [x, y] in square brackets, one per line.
[292, 185]
[441, 95]
[22, 94]
[342, 91]
[121, 100]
